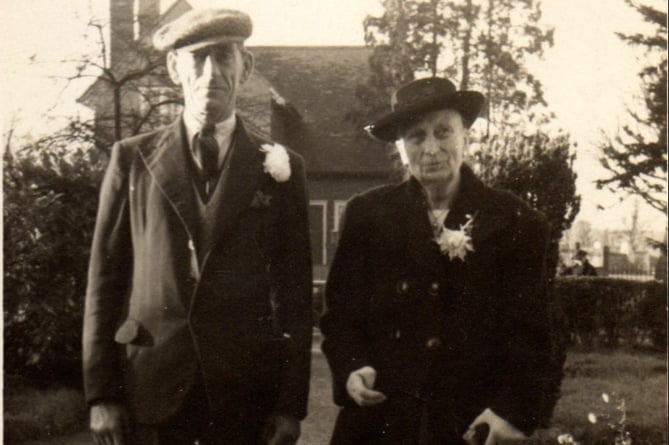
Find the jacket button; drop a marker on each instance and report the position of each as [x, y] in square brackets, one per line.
[191, 245]
[395, 334]
[402, 287]
[434, 289]
[433, 343]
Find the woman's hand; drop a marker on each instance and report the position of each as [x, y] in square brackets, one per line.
[360, 386]
[500, 431]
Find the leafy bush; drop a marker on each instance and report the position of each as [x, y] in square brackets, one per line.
[614, 312]
[50, 200]
[539, 169]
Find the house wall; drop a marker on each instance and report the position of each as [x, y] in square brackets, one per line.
[327, 200]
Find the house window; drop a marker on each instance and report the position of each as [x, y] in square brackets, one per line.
[162, 102]
[318, 231]
[339, 207]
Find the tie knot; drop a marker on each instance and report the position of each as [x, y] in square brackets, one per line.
[207, 130]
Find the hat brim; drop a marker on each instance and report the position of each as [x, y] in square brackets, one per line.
[467, 103]
[212, 41]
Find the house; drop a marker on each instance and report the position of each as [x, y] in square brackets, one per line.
[301, 97]
[319, 84]
[133, 92]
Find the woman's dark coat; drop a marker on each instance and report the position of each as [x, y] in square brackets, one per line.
[447, 338]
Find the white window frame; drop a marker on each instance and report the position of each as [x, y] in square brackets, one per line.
[339, 207]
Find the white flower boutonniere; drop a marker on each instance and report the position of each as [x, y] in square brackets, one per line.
[456, 243]
[277, 162]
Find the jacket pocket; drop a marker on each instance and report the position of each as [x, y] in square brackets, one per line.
[131, 332]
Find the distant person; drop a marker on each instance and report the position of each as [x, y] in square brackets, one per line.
[437, 322]
[198, 321]
[582, 266]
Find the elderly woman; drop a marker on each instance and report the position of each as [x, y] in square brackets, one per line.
[437, 325]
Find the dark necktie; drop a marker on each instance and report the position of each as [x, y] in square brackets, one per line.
[206, 149]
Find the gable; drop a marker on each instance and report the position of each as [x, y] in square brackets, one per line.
[320, 83]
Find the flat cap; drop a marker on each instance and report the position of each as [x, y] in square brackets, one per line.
[203, 27]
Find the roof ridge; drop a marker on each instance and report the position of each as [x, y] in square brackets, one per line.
[319, 47]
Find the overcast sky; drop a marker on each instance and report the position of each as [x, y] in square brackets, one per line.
[588, 76]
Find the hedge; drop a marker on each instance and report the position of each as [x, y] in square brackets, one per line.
[50, 201]
[612, 312]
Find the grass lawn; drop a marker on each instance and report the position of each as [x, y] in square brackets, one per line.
[638, 378]
[31, 413]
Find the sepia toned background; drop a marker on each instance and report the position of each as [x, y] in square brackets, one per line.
[311, 58]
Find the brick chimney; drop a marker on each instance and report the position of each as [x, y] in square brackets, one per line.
[148, 15]
[121, 20]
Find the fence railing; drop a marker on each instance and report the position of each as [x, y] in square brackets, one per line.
[639, 267]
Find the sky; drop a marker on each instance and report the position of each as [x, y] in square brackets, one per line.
[589, 75]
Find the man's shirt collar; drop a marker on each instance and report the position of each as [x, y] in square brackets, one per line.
[223, 132]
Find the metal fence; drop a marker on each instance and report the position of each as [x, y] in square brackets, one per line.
[638, 267]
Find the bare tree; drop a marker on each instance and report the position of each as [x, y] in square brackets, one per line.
[130, 91]
[485, 43]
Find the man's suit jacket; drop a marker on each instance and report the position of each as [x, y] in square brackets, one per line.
[450, 336]
[160, 308]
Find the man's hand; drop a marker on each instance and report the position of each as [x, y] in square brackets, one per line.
[281, 430]
[110, 424]
[500, 431]
[360, 386]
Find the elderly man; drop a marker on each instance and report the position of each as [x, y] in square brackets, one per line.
[437, 325]
[197, 325]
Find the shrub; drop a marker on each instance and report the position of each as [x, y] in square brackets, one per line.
[539, 169]
[50, 200]
[613, 312]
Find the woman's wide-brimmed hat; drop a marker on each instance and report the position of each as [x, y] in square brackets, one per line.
[421, 96]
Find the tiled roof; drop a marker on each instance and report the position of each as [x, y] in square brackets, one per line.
[320, 83]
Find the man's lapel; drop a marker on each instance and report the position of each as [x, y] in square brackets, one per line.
[240, 178]
[168, 165]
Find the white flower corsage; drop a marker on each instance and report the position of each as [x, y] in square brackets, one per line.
[456, 243]
[277, 162]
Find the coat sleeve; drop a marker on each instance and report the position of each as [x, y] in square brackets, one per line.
[347, 295]
[292, 269]
[530, 374]
[108, 285]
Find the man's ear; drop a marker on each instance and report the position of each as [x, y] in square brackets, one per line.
[248, 61]
[172, 67]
